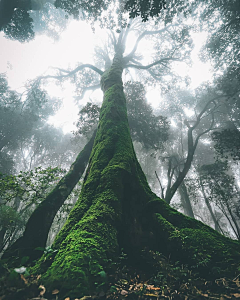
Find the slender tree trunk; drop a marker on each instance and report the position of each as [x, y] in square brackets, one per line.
[2, 234]
[237, 231]
[187, 165]
[216, 224]
[234, 221]
[187, 206]
[40, 222]
[116, 209]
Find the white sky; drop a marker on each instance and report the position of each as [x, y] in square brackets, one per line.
[76, 44]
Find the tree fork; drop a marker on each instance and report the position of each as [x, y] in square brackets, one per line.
[40, 221]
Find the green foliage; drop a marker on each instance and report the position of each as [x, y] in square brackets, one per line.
[30, 186]
[49, 20]
[20, 194]
[227, 143]
[221, 189]
[20, 119]
[221, 184]
[91, 9]
[222, 21]
[88, 119]
[20, 28]
[144, 8]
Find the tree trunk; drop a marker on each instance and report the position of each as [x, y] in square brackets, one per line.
[116, 209]
[187, 206]
[216, 224]
[40, 222]
[2, 234]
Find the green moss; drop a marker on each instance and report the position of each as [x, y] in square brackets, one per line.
[190, 241]
[92, 227]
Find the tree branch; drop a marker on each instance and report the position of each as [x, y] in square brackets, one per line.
[158, 62]
[88, 88]
[70, 73]
[130, 55]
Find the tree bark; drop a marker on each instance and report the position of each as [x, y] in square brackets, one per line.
[40, 222]
[116, 209]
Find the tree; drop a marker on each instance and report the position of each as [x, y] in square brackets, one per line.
[149, 129]
[177, 166]
[227, 143]
[20, 116]
[223, 42]
[117, 209]
[223, 48]
[221, 190]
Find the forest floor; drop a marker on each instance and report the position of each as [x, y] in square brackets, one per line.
[159, 278]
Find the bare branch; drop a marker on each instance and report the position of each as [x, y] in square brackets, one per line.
[130, 55]
[71, 73]
[88, 88]
[158, 62]
[204, 132]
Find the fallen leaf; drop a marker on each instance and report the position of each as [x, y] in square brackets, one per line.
[43, 290]
[68, 298]
[24, 279]
[54, 292]
[123, 292]
[237, 295]
[237, 282]
[156, 288]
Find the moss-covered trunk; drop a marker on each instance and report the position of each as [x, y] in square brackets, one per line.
[116, 209]
[40, 222]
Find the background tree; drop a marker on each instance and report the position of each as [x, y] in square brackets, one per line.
[221, 190]
[20, 194]
[20, 117]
